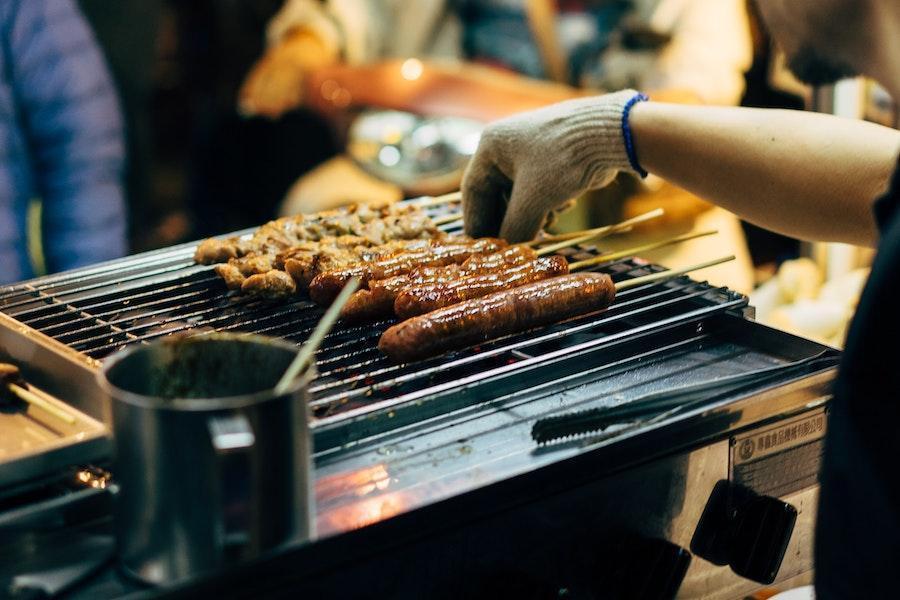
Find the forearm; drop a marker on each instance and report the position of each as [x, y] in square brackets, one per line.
[807, 175]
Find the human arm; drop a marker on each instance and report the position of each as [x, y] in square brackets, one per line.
[807, 175]
[71, 118]
[804, 174]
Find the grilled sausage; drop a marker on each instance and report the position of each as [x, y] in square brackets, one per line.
[421, 299]
[326, 286]
[496, 315]
[511, 255]
[378, 301]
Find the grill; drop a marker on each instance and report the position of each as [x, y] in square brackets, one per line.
[427, 477]
[358, 392]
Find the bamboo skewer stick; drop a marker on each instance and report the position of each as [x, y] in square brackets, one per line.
[601, 231]
[35, 400]
[567, 243]
[315, 340]
[438, 200]
[592, 235]
[671, 274]
[445, 219]
[611, 256]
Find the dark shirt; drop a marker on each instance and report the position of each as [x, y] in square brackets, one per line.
[858, 531]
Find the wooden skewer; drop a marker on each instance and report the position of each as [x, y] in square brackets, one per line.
[672, 274]
[438, 200]
[567, 243]
[611, 256]
[443, 220]
[315, 340]
[35, 400]
[595, 234]
[600, 231]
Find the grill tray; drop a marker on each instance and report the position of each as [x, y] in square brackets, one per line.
[358, 392]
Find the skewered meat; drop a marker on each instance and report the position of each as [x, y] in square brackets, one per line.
[495, 315]
[425, 298]
[231, 275]
[372, 225]
[304, 265]
[511, 255]
[327, 285]
[272, 285]
[378, 301]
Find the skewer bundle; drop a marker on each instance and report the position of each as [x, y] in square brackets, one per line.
[447, 290]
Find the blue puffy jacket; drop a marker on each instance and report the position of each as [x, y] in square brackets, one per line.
[61, 139]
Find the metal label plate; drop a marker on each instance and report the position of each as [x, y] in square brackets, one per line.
[780, 459]
[760, 443]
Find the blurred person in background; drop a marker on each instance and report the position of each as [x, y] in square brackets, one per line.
[62, 140]
[346, 53]
[127, 31]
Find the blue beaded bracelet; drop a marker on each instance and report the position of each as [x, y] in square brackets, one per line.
[626, 134]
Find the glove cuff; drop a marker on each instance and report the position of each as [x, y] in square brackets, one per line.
[600, 136]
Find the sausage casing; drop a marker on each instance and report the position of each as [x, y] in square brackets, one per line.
[325, 287]
[421, 299]
[496, 315]
[378, 300]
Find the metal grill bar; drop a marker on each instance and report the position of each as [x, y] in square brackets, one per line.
[503, 346]
[103, 308]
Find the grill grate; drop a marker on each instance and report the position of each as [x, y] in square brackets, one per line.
[138, 299]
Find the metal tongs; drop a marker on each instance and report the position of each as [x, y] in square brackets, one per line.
[657, 406]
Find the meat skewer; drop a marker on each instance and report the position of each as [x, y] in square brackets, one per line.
[256, 275]
[326, 286]
[379, 300]
[420, 299]
[375, 224]
[509, 312]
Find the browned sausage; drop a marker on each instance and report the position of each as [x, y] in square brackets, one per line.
[420, 299]
[378, 301]
[327, 285]
[512, 255]
[496, 315]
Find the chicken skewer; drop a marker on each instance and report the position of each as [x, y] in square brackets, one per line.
[374, 224]
[511, 311]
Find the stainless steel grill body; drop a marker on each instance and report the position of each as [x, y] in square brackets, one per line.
[435, 458]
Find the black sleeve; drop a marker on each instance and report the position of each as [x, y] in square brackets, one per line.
[886, 207]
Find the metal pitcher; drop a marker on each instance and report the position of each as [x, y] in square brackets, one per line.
[212, 467]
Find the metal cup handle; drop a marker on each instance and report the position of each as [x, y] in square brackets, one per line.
[229, 435]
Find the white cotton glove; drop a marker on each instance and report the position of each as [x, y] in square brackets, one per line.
[531, 164]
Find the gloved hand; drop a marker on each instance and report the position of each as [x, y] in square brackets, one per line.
[541, 159]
